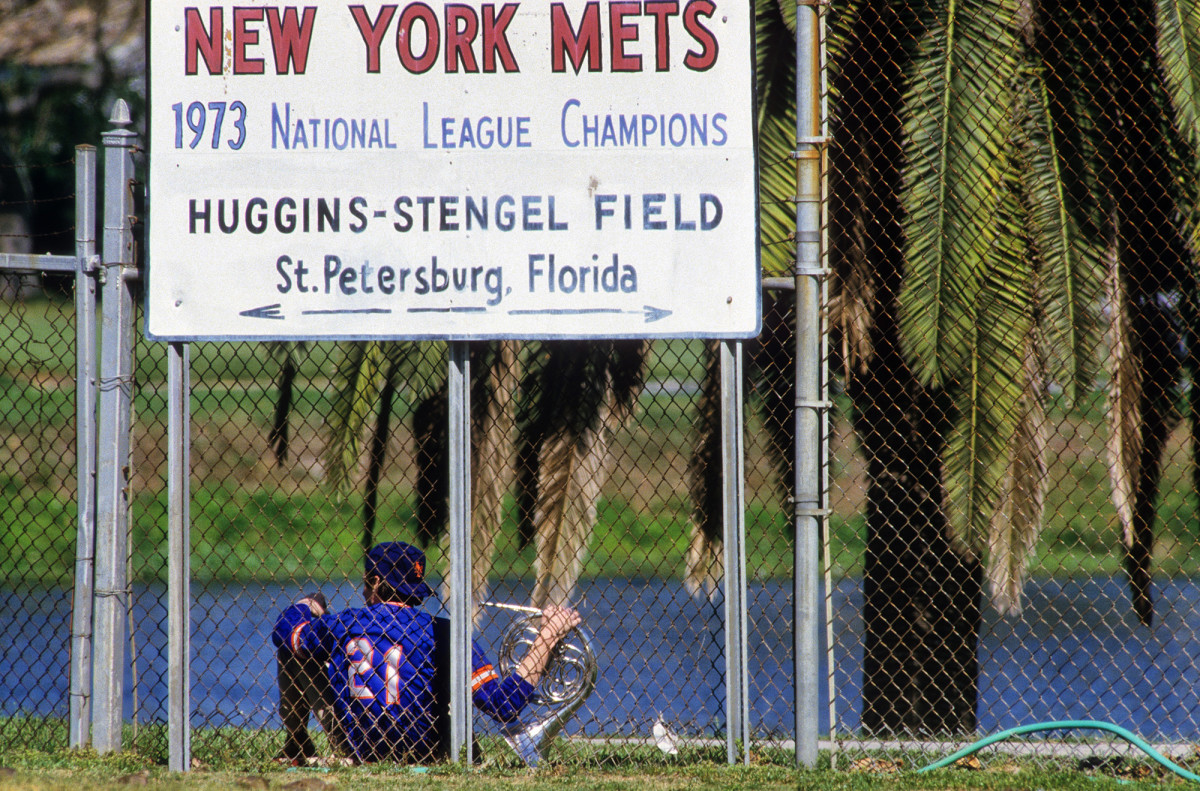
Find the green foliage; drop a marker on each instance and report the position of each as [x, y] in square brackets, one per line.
[959, 122]
[1179, 55]
[775, 72]
[987, 400]
[1071, 274]
[361, 372]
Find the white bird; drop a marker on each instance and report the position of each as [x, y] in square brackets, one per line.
[665, 738]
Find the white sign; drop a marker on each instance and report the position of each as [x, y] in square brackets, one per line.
[452, 170]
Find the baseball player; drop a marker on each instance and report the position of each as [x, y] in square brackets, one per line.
[376, 676]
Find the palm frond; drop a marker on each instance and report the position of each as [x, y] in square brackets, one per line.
[278, 439]
[1071, 273]
[1124, 444]
[496, 372]
[359, 377]
[573, 396]
[1179, 56]
[957, 135]
[377, 456]
[571, 472]
[775, 56]
[988, 395]
[1018, 517]
[704, 561]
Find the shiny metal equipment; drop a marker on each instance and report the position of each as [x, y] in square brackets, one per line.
[568, 680]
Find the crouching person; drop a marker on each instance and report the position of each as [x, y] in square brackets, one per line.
[377, 676]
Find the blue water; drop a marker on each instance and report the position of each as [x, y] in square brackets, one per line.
[1076, 653]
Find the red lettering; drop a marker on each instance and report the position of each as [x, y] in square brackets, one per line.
[495, 37]
[404, 43]
[620, 33]
[575, 44]
[244, 37]
[461, 28]
[707, 56]
[205, 43]
[290, 37]
[372, 32]
[660, 10]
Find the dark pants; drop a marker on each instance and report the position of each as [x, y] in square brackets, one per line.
[303, 690]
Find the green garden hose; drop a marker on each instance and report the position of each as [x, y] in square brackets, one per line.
[1059, 725]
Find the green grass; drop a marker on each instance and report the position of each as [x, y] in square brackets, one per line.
[600, 769]
[33, 755]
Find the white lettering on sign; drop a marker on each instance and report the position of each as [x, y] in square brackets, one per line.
[456, 170]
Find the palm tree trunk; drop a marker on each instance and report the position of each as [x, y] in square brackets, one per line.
[922, 590]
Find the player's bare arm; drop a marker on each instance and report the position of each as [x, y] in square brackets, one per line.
[556, 623]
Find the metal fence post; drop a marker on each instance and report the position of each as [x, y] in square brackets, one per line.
[460, 605]
[178, 556]
[737, 696]
[811, 405]
[115, 415]
[85, 444]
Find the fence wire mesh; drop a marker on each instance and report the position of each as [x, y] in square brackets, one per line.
[294, 471]
[37, 473]
[1013, 442]
[1012, 315]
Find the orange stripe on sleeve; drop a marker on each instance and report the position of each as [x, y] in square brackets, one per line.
[482, 676]
[295, 638]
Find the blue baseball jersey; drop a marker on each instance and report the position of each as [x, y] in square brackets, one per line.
[381, 663]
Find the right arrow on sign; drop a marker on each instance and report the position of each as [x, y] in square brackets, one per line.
[651, 313]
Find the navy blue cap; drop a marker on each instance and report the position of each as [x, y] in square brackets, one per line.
[401, 566]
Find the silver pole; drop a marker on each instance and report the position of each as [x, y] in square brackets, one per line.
[115, 415]
[810, 405]
[459, 387]
[179, 733]
[737, 697]
[85, 444]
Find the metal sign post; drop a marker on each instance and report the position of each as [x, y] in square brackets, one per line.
[179, 734]
[461, 607]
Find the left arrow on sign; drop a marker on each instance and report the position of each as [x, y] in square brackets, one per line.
[265, 312]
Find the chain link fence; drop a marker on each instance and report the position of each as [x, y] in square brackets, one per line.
[37, 468]
[1012, 317]
[1012, 465]
[297, 465]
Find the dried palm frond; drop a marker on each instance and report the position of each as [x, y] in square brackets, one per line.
[278, 439]
[1018, 518]
[704, 561]
[496, 373]
[572, 470]
[575, 395]
[1124, 444]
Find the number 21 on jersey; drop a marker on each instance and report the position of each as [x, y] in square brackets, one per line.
[364, 664]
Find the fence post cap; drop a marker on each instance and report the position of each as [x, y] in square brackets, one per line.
[120, 114]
